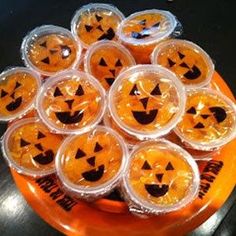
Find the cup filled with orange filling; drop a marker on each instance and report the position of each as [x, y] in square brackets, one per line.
[49, 49]
[209, 121]
[105, 60]
[146, 101]
[160, 177]
[71, 102]
[95, 22]
[142, 31]
[90, 165]
[30, 148]
[19, 87]
[187, 60]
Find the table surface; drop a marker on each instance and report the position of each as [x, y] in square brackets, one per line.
[209, 23]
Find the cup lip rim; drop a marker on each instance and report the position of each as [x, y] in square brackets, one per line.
[78, 13]
[95, 190]
[186, 43]
[158, 209]
[180, 92]
[31, 105]
[169, 17]
[42, 30]
[68, 75]
[218, 142]
[6, 152]
[105, 43]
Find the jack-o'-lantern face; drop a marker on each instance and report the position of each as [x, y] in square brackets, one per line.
[32, 146]
[71, 103]
[207, 117]
[92, 159]
[18, 90]
[91, 25]
[106, 61]
[159, 175]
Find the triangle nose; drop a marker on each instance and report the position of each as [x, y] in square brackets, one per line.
[69, 103]
[159, 177]
[144, 101]
[113, 71]
[91, 161]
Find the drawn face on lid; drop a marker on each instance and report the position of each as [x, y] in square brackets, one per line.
[17, 92]
[159, 175]
[92, 159]
[53, 52]
[33, 147]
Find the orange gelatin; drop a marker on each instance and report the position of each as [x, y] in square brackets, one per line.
[91, 159]
[160, 175]
[189, 62]
[18, 90]
[53, 53]
[32, 147]
[105, 60]
[208, 118]
[72, 103]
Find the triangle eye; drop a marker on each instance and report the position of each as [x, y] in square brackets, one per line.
[98, 147]
[181, 56]
[88, 28]
[80, 154]
[118, 63]
[79, 91]
[102, 62]
[17, 85]
[156, 90]
[57, 92]
[169, 166]
[40, 135]
[146, 166]
[23, 143]
[98, 18]
[192, 110]
[134, 91]
[3, 93]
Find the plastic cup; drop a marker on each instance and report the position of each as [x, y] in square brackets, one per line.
[209, 121]
[49, 49]
[146, 101]
[95, 22]
[142, 31]
[91, 165]
[187, 60]
[30, 148]
[19, 87]
[71, 102]
[160, 177]
[105, 60]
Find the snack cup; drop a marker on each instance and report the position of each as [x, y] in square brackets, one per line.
[105, 60]
[49, 49]
[146, 101]
[19, 87]
[160, 177]
[71, 102]
[209, 121]
[95, 22]
[187, 60]
[142, 31]
[91, 165]
[30, 148]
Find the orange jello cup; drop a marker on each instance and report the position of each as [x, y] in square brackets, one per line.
[91, 165]
[19, 87]
[95, 22]
[142, 31]
[209, 121]
[146, 101]
[71, 102]
[187, 60]
[160, 177]
[105, 60]
[49, 49]
[30, 148]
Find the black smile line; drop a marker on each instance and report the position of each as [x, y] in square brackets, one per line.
[67, 118]
[157, 190]
[14, 105]
[94, 174]
[145, 118]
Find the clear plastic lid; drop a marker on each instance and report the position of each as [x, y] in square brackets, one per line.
[105, 60]
[187, 60]
[30, 148]
[91, 165]
[49, 49]
[147, 27]
[95, 22]
[19, 87]
[209, 121]
[71, 102]
[146, 101]
[160, 177]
